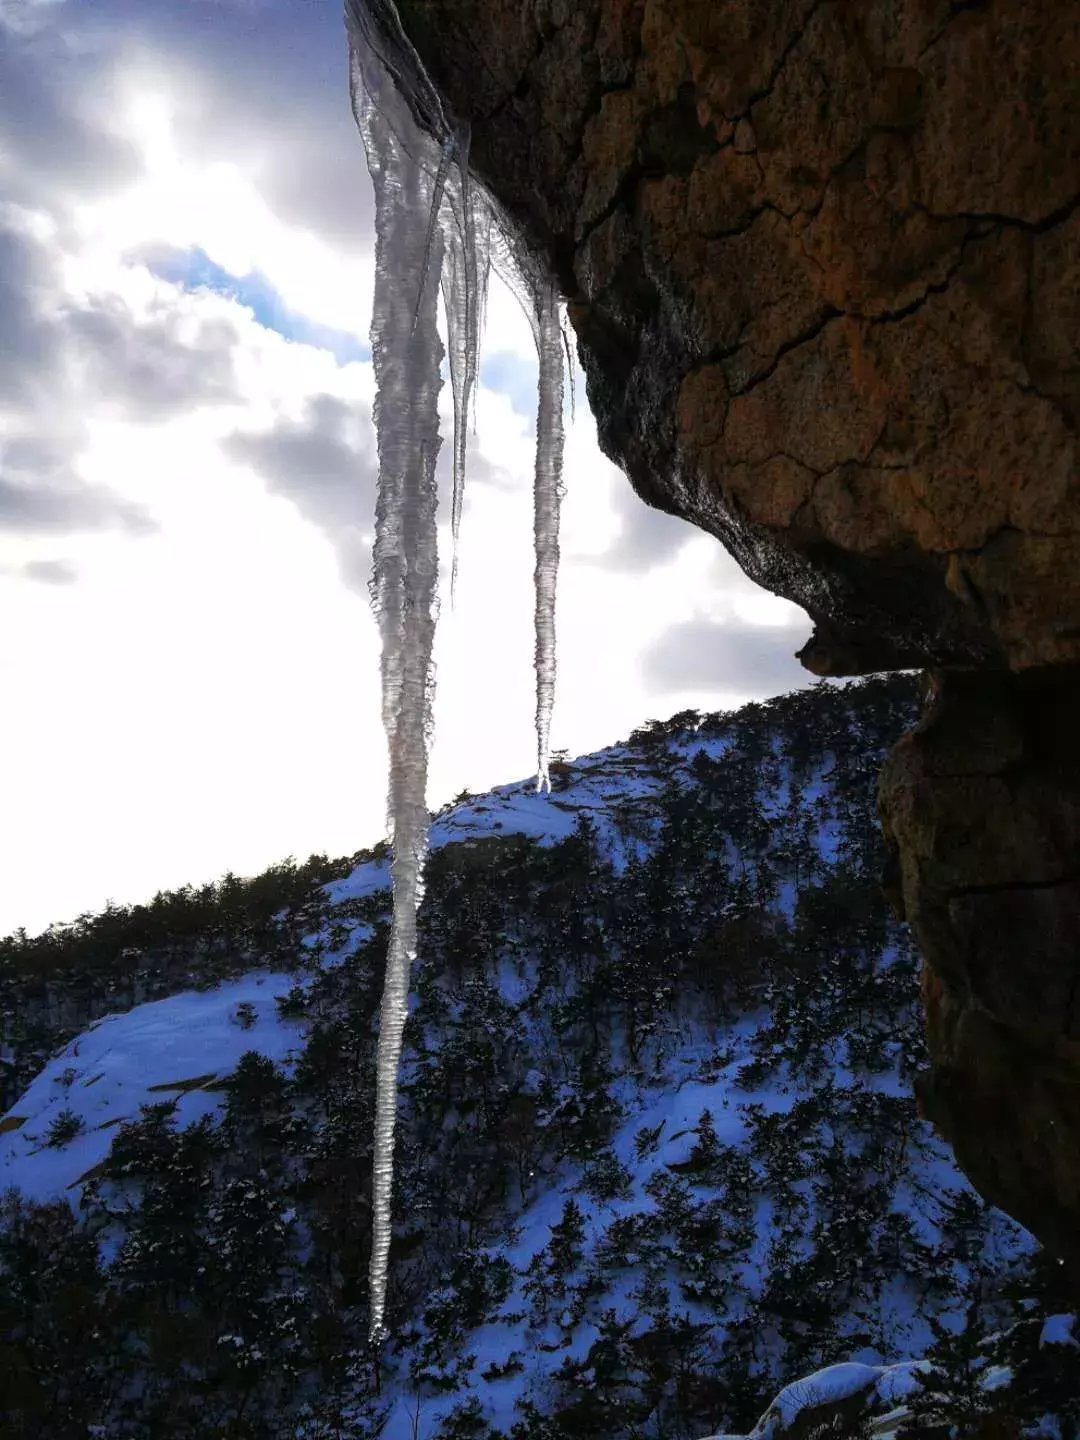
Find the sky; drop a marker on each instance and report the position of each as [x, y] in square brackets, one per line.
[188, 660]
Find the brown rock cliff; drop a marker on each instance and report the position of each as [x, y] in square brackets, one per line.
[823, 261]
[981, 806]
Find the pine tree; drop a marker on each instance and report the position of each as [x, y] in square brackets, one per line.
[55, 1322]
[63, 1128]
[953, 1396]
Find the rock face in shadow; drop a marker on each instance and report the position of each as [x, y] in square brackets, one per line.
[981, 807]
[823, 262]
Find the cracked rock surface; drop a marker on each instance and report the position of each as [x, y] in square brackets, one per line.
[823, 262]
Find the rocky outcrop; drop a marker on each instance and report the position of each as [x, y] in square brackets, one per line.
[823, 262]
[821, 257]
[981, 805]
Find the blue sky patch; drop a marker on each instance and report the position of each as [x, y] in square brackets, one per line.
[509, 375]
[194, 270]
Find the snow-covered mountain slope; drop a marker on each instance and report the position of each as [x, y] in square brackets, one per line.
[609, 788]
[184, 1044]
[177, 1049]
[658, 1156]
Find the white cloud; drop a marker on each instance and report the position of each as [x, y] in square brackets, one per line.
[182, 203]
[26, 17]
[194, 669]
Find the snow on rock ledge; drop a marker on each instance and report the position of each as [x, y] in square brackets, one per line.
[178, 1049]
[857, 1388]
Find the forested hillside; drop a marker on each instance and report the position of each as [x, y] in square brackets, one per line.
[658, 1151]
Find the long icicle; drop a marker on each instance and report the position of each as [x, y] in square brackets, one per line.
[407, 353]
[547, 497]
[432, 220]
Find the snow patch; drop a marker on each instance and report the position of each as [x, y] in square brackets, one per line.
[167, 1050]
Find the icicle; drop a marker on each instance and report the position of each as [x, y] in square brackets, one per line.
[407, 354]
[446, 159]
[568, 346]
[539, 299]
[547, 495]
[464, 283]
[435, 228]
[458, 206]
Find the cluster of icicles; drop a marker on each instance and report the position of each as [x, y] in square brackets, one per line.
[435, 230]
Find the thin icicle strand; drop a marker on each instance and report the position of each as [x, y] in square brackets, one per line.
[568, 346]
[547, 497]
[447, 158]
[407, 353]
[464, 284]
